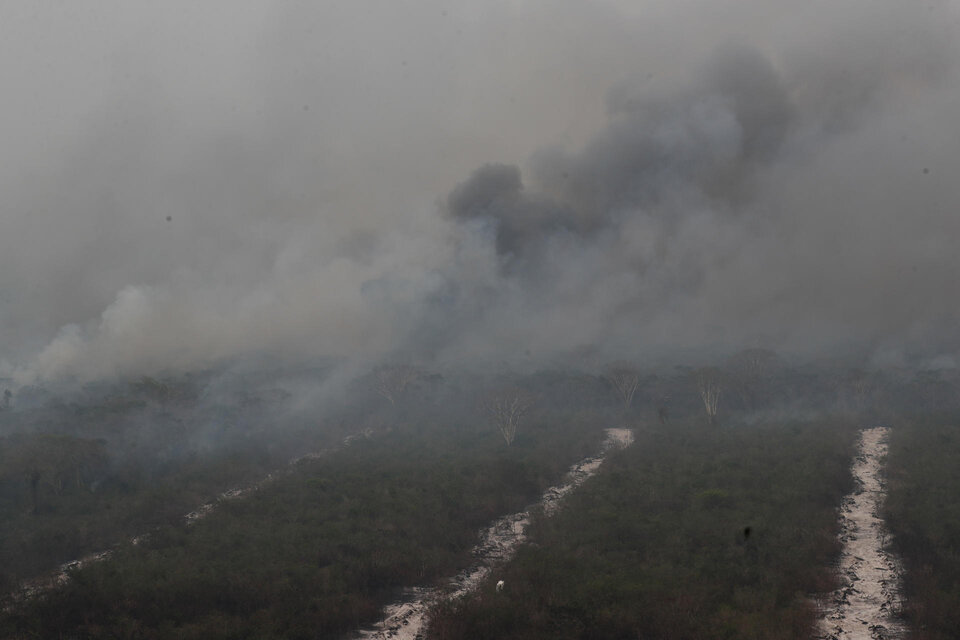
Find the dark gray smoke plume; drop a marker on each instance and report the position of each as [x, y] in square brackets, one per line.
[184, 184]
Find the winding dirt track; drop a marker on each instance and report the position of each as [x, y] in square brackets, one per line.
[865, 604]
[404, 620]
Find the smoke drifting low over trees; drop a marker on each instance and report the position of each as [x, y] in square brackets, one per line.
[447, 183]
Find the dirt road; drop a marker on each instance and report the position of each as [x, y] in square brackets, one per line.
[404, 620]
[864, 605]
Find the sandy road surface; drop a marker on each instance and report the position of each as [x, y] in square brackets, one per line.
[864, 605]
[404, 620]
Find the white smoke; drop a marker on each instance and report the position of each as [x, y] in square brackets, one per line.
[235, 179]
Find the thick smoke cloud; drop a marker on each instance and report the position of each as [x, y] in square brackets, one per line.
[184, 185]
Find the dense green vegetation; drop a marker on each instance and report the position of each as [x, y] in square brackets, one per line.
[655, 546]
[63, 496]
[923, 512]
[691, 533]
[320, 550]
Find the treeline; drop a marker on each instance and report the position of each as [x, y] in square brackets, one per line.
[923, 512]
[691, 533]
[319, 551]
[759, 385]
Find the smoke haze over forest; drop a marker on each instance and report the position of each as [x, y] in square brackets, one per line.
[508, 182]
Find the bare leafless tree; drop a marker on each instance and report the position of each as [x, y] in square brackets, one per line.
[861, 386]
[748, 370]
[660, 391]
[663, 410]
[709, 386]
[625, 379]
[507, 407]
[391, 380]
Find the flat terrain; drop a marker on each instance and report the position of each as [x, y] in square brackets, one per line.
[923, 512]
[404, 620]
[868, 601]
[693, 532]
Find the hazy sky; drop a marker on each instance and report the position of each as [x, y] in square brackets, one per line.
[498, 181]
